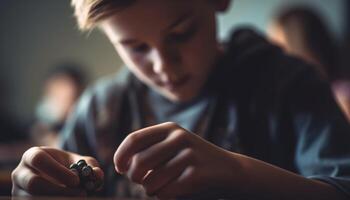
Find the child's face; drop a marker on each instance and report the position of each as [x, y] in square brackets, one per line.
[169, 45]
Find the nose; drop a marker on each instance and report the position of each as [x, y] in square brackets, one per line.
[165, 64]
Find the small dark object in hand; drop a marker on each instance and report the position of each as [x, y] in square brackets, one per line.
[81, 163]
[75, 168]
[86, 171]
[88, 180]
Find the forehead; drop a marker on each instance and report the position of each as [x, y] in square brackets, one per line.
[147, 17]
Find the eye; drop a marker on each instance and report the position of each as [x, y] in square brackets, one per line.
[143, 48]
[182, 37]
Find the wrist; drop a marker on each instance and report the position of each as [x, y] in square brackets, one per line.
[235, 180]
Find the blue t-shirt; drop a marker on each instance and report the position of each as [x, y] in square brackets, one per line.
[257, 101]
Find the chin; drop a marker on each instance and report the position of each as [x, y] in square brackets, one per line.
[180, 97]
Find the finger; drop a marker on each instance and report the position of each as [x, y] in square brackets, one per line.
[162, 176]
[98, 172]
[99, 175]
[181, 186]
[67, 158]
[17, 191]
[138, 141]
[37, 158]
[156, 155]
[89, 160]
[28, 181]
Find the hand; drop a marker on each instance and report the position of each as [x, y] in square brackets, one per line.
[171, 162]
[45, 171]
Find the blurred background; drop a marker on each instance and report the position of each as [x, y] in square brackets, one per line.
[41, 47]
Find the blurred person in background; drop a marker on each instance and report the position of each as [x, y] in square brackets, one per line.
[62, 87]
[301, 32]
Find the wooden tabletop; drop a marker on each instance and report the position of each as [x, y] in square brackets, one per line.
[60, 198]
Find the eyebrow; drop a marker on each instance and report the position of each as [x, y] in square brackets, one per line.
[180, 20]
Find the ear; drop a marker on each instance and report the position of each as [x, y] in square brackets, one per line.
[221, 5]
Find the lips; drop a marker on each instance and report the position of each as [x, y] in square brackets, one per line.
[175, 85]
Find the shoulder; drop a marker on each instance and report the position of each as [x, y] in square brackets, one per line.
[97, 110]
[110, 86]
[102, 100]
[106, 89]
[254, 64]
[249, 50]
[258, 73]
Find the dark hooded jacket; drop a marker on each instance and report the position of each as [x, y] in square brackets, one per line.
[266, 105]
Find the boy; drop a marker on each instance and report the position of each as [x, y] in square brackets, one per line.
[247, 98]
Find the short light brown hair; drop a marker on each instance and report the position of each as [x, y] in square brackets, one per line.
[89, 12]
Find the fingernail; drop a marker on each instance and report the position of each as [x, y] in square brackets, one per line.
[75, 171]
[119, 170]
[122, 169]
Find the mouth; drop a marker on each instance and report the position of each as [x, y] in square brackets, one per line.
[175, 85]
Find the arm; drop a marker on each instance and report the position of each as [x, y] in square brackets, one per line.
[171, 162]
[265, 181]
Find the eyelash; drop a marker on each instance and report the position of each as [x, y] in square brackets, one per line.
[182, 37]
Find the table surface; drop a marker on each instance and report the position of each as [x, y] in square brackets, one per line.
[60, 198]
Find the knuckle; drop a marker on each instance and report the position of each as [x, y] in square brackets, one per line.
[15, 178]
[191, 172]
[132, 175]
[34, 149]
[172, 125]
[134, 178]
[36, 158]
[14, 174]
[138, 161]
[132, 138]
[189, 154]
[33, 155]
[180, 135]
[136, 172]
[29, 152]
[92, 161]
[32, 184]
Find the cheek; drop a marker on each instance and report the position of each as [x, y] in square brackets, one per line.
[141, 66]
[138, 64]
[200, 54]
